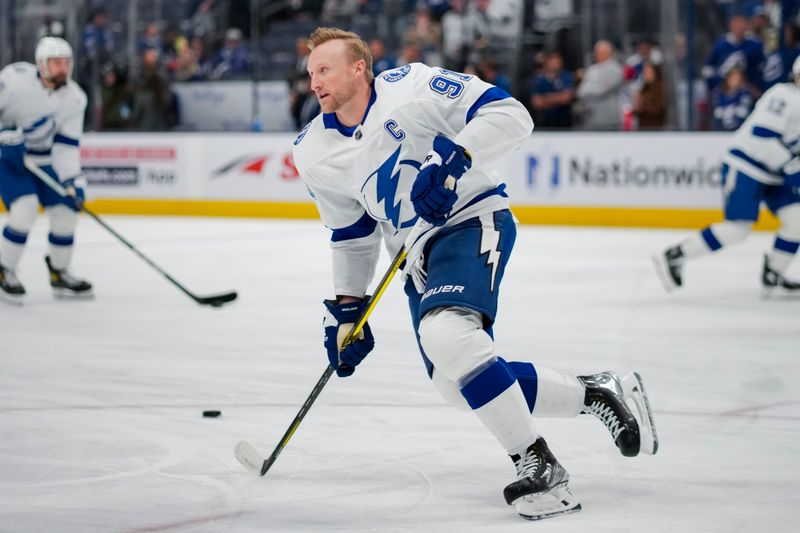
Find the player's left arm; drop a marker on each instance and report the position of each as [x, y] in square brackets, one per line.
[66, 143]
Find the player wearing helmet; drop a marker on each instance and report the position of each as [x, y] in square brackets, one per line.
[41, 120]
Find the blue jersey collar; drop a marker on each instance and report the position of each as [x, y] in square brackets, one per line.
[331, 122]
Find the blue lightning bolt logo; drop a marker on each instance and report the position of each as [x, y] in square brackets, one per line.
[387, 188]
[490, 240]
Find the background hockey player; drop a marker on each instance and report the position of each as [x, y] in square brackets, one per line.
[377, 159]
[41, 118]
[761, 165]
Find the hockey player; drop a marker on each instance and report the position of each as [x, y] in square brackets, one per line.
[379, 157]
[41, 118]
[761, 165]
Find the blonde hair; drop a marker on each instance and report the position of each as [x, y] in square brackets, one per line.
[356, 47]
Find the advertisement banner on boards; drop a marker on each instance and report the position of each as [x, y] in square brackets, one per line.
[671, 170]
[134, 165]
[250, 167]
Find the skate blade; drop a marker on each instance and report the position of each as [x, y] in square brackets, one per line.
[779, 293]
[663, 273]
[12, 299]
[66, 294]
[636, 398]
[555, 502]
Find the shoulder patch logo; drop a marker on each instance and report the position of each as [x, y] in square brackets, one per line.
[302, 134]
[396, 74]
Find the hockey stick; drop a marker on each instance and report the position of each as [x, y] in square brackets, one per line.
[216, 300]
[245, 452]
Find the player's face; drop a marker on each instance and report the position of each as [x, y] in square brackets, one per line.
[333, 75]
[59, 68]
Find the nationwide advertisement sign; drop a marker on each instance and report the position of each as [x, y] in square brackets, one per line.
[668, 170]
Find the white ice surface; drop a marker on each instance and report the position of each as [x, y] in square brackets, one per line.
[100, 401]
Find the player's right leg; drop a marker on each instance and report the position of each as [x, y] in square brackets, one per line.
[18, 192]
[785, 203]
[742, 203]
[22, 212]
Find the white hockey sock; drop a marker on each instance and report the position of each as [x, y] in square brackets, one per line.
[694, 246]
[787, 241]
[558, 395]
[11, 247]
[60, 255]
[715, 237]
[509, 420]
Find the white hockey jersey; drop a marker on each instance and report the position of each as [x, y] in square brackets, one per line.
[770, 137]
[50, 122]
[361, 177]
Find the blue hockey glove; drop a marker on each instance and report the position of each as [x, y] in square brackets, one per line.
[12, 149]
[76, 191]
[432, 199]
[338, 321]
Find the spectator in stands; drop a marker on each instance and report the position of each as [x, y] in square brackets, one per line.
[632, 71]
[481, 26]
[299, 90]
[599, 91]
[489, 71]
[762, 29]
[309, 109]
[650, 102]
[97, 43]
[185, 67]
[780, 61]
[199, 47]
[736, 48]
[233, 61]
[456, 35]
[427, 33]
[151, 38]
[731, 101]
[552, 94]
[411, 53]
[380, 61]
[645, 51]
[117, 97]
[152, 104]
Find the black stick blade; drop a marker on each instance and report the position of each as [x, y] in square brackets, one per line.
[218, 300]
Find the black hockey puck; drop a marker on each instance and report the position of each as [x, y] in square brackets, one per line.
[216, 304]
[211, 414]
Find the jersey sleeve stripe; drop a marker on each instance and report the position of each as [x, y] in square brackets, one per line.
[363, 227]
[766, 133]
[492, 94]
[36, 124]
[743, 156]
[63, 139]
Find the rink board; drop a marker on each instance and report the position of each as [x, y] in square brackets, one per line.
[576, 178]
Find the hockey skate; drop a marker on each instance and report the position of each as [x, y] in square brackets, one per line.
[605, 399]
[542, 486]
[773, 282]
[636, 397]
[65, 285]
[669, 267]
[11, 290]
